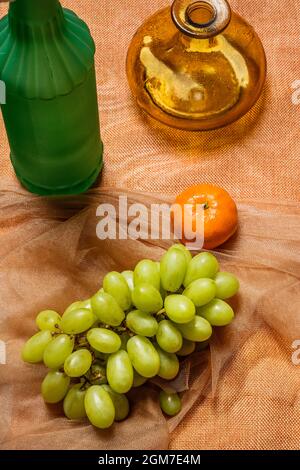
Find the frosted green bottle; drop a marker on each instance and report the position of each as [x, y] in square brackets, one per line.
[51, 112]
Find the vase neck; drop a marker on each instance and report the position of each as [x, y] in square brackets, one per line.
[34, 11]
[201, 19]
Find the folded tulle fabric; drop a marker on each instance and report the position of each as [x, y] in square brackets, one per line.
[51, 256]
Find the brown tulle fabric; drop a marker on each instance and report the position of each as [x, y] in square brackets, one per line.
[242, 393]
[245, 392]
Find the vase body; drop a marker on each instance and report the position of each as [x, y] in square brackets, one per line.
[51, 111]
[196, 74]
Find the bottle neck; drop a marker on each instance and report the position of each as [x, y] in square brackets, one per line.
[34, 11]
[201, 19]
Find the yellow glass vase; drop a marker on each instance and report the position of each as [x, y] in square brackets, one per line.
[196, 65]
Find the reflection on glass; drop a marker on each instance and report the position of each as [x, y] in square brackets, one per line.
[203, 70]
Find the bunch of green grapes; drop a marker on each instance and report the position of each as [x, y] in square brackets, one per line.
[139, 325]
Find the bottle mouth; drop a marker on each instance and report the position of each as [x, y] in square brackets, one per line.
[201, 14]
[201, 18]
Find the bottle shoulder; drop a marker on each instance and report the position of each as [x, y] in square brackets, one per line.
[45, 61]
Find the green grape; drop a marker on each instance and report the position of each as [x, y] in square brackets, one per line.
[143, 355]
[96, 323]
[78, 363]
[77, 321]
[188, 347]
[227, 285]
[202, 265]
[168, 337]
[79, 304]
[173, 267]
[97, 374]
[55, 386]
[217, 312]
[169, 364]
[87, 304]
[115, 285]
[101, 356]
[147, 299]
[202, 346]
[73, 306]
[74, 402]
[146, 272]
[138, 380]
[124, 340]
[33, 349]
[57, 351]
[48, 320]
[197, 330]
[184, 250]
[99, 407]
[179, 308]
[201, 291]
[162, 291]
[129, 278]
[120, 402]
[170, 403]
[141, 323]
[119, 372]
[104, 340]
[107, 309]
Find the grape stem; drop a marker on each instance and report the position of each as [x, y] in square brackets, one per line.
[86, 381]
[99, 360]
[161, 312]
[120, 329]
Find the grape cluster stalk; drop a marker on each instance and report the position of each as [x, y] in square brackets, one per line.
[139, 325]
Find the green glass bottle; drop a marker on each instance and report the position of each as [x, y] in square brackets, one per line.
[51, 112]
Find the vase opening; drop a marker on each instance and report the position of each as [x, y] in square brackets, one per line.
[201, 14]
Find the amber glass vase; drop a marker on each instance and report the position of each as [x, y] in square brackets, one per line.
[196, 65]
